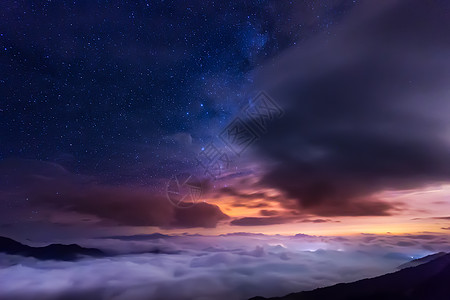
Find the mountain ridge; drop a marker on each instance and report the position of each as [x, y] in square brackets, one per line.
[422, 260]
[427, 281]
[51, 252]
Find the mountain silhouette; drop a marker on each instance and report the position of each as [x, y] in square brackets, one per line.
[51, 252]
[427, 281]
[421, 260]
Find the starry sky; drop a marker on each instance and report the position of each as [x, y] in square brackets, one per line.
[102, 103]
[94, 84]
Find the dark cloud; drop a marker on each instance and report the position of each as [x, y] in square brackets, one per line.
[318, 221]
[257, 221]
[200, 215]
[47, 187]
[273, 217]
[365, 111]
[268, 213]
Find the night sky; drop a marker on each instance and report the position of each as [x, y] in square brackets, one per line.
[221, 149]
[104, 104]
[97, 85]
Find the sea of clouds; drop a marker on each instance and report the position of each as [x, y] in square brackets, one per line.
[237, 266]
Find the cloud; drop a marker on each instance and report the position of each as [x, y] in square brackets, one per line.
[273, 217]
[239, 266]
[257, 221]
[317, 221]
[268, 213]
[48, 187]
[433, 218]
[251, 199]
[201, 215]
[138, 237]
[366, 110]
[229, 191]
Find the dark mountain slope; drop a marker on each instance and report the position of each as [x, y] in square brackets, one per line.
[50, 252]
[428, 281]
[422, 260]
